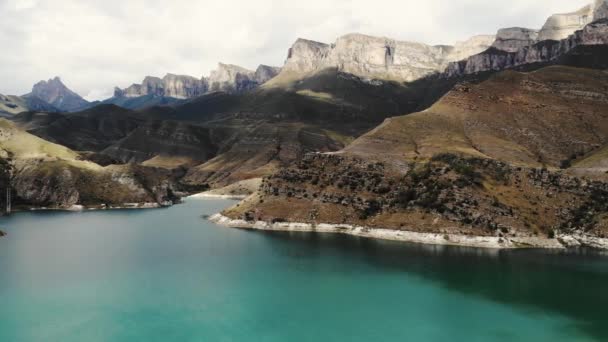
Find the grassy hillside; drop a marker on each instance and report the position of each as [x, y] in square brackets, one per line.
[11, 105]
[47, 174]
[529, 119]
[486, 159]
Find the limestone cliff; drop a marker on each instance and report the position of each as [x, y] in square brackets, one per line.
[470, 47]
[494, 59]
[378, 57]
[560, 26]
[176, 86]
[515, 38]
[265, 73]
[227, 78]
[231, 79]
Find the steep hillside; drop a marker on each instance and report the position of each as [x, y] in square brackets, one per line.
[90, 130]
[529, 119]
[142, 102]
[164, 139]
[327, 97]
[259, 148]
[11, 105]
[484, 161]
[44, 174]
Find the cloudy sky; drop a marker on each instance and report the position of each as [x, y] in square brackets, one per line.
[95, 45]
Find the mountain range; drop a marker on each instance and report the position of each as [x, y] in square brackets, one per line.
[500, 135]
[370, 58]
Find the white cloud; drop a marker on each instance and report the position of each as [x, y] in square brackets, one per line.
[95, 45]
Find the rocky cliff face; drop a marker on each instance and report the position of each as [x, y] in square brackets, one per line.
[519, 46]
[227, 78]
[265, 73]
[470, 47]
[378, 57]
[560, 26]
[305, 56]
[55, 93]
[600, 10]
[176, 86]
[50, 175]
[514, 38]
[595, 33]
[231, 79]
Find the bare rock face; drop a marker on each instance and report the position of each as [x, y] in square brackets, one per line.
[385, 58]
[560, 26]
[176, 86]
[515, 38]
[183, 87]
[595, 33]
[305, 56]
[231, 79]
[471, 46]
[600, 9]
[265, 73]
[378, 57]
[55, 93]
[227, 78]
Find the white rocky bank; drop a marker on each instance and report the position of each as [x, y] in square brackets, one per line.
[562, 241]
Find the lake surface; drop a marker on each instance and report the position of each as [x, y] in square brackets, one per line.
[170, 275]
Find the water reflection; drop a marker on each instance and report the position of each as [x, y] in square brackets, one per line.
[571, 283]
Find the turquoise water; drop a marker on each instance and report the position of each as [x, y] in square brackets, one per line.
[169, 275]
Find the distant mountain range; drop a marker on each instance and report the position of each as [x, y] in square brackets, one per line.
[374, 59]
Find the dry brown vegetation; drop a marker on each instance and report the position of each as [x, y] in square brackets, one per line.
[487, 159]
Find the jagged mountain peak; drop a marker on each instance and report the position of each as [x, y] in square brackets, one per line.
[55, 82]
[226, 77]
[57, 94]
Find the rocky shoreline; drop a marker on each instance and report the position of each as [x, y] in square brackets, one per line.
[218, 196]
[560, 242]
[78, 208]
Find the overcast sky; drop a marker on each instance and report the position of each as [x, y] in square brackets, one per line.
[95, 45]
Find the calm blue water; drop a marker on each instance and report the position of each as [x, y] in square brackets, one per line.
[169, 275]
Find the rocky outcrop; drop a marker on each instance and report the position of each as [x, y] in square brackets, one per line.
[514, 38]
[560, 26]
[231, 79]
[227, 78]
[601, 10]
[305, 56]
[471, 47]
[494, 59]
[55, 93]
[175, 86]
[265, 73]
[378, 57]
[44, 174]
